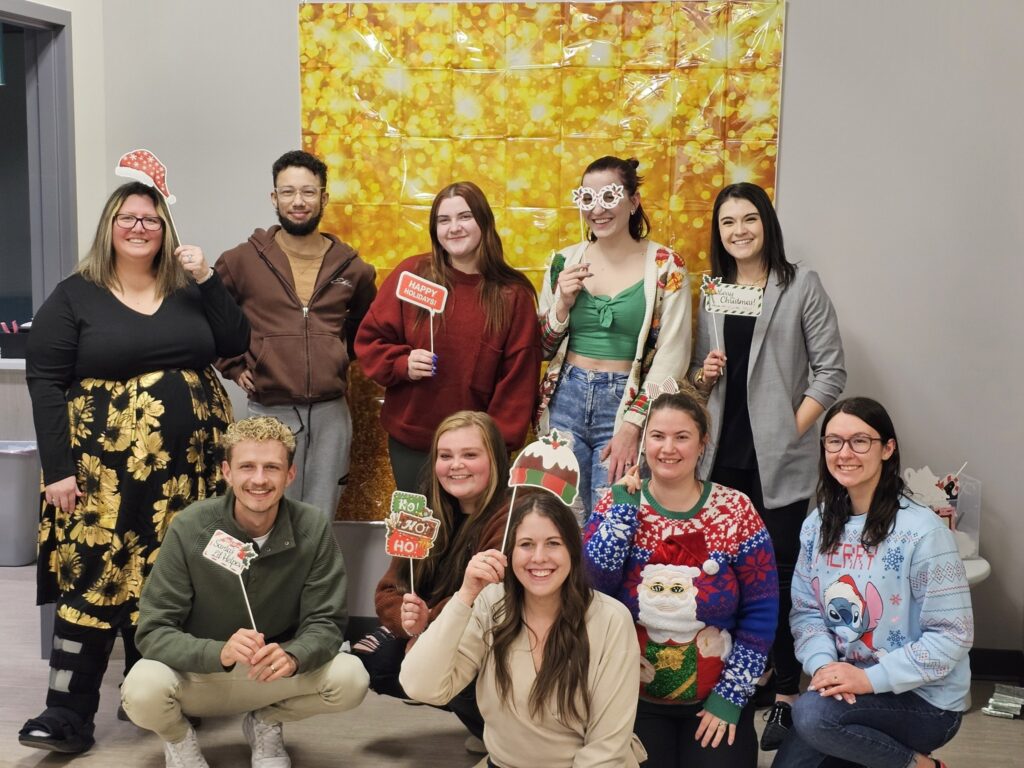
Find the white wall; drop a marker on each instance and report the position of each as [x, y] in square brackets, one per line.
[900, 182]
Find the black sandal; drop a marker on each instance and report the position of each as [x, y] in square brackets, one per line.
[65, 732]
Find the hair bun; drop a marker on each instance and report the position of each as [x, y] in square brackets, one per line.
[633, 163]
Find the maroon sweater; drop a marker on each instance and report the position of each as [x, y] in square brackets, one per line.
[478, 371]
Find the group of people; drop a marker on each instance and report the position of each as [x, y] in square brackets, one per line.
[686, 586]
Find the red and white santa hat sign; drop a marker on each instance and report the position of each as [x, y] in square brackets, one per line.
[142, 165]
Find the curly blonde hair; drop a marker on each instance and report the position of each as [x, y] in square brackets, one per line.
[258, 429]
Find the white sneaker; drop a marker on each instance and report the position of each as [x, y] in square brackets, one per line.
[185, 753]
[267, 742]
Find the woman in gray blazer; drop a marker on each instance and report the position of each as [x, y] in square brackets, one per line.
[785, 367]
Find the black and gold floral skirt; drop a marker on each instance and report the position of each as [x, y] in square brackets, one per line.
[145, 448]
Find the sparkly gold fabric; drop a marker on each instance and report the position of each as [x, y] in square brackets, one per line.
[401, 99]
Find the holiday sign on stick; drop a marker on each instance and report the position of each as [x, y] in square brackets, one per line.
[730, 299]
[142, 165]
[233, 555]
[424, 294]
[411, 528]
[548, 463]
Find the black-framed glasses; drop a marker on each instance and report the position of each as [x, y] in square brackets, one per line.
[858, 443]
[127, 221]
[309, 194]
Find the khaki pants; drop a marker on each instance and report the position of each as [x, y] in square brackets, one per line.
[156, 696]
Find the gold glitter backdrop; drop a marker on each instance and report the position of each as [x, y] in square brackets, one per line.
[401, 99]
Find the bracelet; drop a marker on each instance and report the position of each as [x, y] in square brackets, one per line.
[699, 377]
[208, 276]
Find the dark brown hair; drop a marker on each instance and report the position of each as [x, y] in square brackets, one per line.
[773, 254]
[562, 679]
[639, 224]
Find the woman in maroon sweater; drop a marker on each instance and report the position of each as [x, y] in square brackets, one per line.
[486, 342]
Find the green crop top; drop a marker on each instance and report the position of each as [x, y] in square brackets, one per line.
[607, 328]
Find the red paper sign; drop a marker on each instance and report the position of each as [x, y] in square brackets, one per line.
[421, 292]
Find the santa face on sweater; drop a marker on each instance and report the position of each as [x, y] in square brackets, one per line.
[667, 600]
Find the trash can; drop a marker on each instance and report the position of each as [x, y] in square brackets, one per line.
[19, 502]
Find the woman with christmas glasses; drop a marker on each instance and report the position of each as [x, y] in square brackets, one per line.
[785, 367]
[614, 314]
[693, 562]
[881, 610]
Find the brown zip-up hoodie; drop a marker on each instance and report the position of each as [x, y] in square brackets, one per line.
[297, 354]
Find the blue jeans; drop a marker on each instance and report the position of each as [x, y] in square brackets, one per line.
[584, 405]
[881, 730]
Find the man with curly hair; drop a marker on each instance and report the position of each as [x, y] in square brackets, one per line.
[258, 633]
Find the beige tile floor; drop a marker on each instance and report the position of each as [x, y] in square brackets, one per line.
[381, 732]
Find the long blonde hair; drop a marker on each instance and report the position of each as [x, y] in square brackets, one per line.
[441, 573]
[97, 266]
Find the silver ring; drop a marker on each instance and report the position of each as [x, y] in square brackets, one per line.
[273, 668]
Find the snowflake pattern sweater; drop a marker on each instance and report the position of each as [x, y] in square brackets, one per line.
[901, 611]
[701, 585]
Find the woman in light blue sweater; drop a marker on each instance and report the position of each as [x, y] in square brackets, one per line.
[881, 609]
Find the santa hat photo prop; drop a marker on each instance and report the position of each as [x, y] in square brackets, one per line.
[550, 464]
[143, 166]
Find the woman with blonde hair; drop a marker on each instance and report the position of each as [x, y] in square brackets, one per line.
[467, 493]
[127, 412]
[486, 344]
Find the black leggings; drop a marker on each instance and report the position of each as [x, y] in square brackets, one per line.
[783, 526]
[384, 664]
[667, 732]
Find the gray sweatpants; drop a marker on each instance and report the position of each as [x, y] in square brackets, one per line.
[323, 439]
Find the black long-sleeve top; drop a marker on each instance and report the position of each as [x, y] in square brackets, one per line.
[83, 331]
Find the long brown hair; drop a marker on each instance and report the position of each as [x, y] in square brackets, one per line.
[562, 678]
[97, 266]
[498, 277]
[440, 574]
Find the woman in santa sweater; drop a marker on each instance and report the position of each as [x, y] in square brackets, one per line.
[694, 564]
[486, 342]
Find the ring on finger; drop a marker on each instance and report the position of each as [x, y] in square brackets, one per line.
[273, 668]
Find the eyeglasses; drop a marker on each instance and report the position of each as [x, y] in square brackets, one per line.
[127, 221]
[858, 443]
[309, 194]
[608, 196]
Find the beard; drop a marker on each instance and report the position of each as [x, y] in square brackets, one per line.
[303, 228]
[671, 619]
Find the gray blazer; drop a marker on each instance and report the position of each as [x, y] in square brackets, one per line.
[796, 352]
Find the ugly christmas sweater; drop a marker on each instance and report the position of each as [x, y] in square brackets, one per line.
[901, 610]
[702, 588]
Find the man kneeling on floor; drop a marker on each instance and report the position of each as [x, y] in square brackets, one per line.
[202, 654]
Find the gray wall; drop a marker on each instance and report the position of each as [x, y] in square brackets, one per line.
[898, 183]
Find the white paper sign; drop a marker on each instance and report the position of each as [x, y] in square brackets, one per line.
[228, 552]
[731, 299]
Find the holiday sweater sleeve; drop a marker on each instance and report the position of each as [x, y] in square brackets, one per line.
[515, 391]
[552, 331]
[942, 598]
[756, 618]
[380, 342]
[670, 332]
[813, 641]
[608, 538]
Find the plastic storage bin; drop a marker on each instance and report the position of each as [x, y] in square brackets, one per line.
[19, 502]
